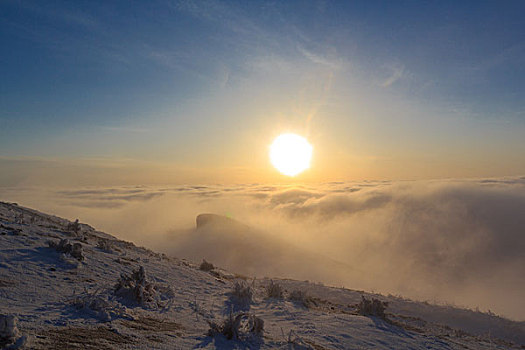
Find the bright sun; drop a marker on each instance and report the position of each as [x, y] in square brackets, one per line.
[290, 154]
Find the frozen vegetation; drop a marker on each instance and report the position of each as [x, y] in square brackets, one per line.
[274, 290]
[64, 285]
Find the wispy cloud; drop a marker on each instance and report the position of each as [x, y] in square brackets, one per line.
[397, 73]
[330, 61]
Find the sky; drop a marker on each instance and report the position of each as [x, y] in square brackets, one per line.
[167, 92]
[137, 116]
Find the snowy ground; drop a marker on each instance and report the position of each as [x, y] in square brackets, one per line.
[46, 290]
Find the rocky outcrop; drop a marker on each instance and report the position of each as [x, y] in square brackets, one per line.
[219, 222]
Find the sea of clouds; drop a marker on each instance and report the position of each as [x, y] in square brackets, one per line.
[448, 241]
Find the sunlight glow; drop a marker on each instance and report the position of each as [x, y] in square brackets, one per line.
[290, 154]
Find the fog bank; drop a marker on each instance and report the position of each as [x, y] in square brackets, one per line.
[454, 241]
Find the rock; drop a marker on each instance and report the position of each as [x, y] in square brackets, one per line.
[219, 222]
[206, 266]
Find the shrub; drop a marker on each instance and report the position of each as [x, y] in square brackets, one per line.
[206, 266]
[75, 249]
[242, 293]
[274, 290]
[374, 307]
[8, 329]
[301, 297]
[19, 219]
[238, 326]
[137, 289]
[9, 333]
[105, 245]
[98, 306]
[74, 227]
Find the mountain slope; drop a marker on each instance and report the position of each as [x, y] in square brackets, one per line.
[65, 300]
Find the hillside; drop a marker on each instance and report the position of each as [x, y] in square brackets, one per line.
[97, 292]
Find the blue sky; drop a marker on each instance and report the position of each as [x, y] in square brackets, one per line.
[206, 85]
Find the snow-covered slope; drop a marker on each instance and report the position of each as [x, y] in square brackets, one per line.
[67, 301]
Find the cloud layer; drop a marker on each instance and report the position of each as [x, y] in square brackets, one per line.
[459, 242]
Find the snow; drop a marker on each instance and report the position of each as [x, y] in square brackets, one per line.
[65, 303]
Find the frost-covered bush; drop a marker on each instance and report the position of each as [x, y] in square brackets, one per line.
[19, 219]
[9, 335]
[138, 290]
[136, 287]
[242, 293]
[75, 249]
[374, 307]
[105, 245]
[100, 307]
[238, 326]
[8, 329]
[206, 266]
[274, 290]
[74, 227]
[301, 297]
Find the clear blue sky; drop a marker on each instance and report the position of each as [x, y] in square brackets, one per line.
[376, 85]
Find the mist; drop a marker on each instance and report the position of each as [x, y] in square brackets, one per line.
[459, 242]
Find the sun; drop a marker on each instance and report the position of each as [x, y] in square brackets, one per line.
[290, 154]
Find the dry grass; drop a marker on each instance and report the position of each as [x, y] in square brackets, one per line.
[150, 324]
[99, 338]
[374, 307]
